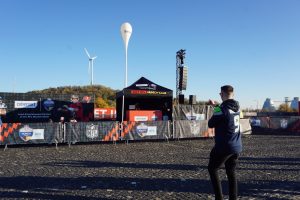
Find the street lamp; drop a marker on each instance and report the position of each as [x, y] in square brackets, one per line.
[126, 31]
[256, 105]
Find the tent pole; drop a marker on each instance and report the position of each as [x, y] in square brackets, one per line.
[123, 101]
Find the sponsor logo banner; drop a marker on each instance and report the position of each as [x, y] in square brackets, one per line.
[143, 130]
[194, 116]
[255, 122]
[48, 104]
[146, 86]
[92, 131]
[195, 127]
[38, 134]
[3, 106]
[26, 104]
[283, 123]
[26, 133]
[140, 118]
[147, 92]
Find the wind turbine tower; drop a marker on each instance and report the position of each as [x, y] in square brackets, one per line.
[91, 65]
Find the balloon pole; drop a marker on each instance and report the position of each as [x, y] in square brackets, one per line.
[126, 31]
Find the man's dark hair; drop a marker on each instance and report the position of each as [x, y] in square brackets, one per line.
[227, 89]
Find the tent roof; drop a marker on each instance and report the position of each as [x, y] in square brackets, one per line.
[145, 87]
[147, 84]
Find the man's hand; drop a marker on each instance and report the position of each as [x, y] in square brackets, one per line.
[212, 103]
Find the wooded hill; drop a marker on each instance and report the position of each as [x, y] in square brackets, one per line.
[105, 97]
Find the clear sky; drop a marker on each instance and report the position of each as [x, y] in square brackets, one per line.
[253, 45]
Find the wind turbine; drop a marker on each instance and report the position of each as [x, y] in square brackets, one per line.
[91, 65]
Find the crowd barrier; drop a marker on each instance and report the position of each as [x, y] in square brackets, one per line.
[35, 133]
[276, 124]
[191, 129]
[91, 131]
[150, 130]
[245, 126]
[71, 133]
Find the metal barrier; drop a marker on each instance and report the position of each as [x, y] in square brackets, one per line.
[282, 122]
[191, 129]
[245, 127]
[146, 130]
[276, 124]
[35, 133]
[91, 131]
[49, 133]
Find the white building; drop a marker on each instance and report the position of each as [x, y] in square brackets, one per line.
[269, 105]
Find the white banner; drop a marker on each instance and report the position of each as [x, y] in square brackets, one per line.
[152, 131]
[140, 118]
[26, 104]
[38, 134]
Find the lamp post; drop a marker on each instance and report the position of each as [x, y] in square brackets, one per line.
[126, 31]
[256, 105]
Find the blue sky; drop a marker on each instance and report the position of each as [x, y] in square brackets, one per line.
[253, 45]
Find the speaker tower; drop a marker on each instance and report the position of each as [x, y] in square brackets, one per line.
[192, 99]
[182, 78]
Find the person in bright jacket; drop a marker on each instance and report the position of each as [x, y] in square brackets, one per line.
[228, 144]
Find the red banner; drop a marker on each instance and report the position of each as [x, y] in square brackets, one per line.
[144, 115]
[105, 114]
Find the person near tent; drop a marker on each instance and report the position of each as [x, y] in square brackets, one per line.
[76, 108]
[228, 144]
[2, 111]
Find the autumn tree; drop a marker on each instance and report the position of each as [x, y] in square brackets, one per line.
[100, 103]
[285, 108]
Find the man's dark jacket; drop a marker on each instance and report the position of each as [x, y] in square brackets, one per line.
[226, 121]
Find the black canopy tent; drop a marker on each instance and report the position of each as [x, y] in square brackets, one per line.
[145, 95]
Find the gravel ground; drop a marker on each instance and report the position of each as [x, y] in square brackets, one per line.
[269, 169]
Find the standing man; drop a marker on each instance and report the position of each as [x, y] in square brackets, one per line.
[0, 127]
[3, 108]
[228, 144]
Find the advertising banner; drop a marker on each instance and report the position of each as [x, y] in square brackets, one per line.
[146, 130]
[144, 115]
[26, 104]
[47, 110]
[105, 114]
[3, 107]
[191, 129]
[26, 133]
[33, 133]
[90, 131]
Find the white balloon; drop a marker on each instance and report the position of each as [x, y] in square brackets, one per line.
[126, 31]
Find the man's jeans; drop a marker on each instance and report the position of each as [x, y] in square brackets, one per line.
[216, 160]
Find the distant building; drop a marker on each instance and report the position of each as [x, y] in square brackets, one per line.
[269, 105]
[295, 103]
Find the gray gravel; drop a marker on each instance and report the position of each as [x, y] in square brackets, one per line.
[269, 169]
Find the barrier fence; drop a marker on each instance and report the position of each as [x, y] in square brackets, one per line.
[276, 124]
[147, 130]
[191, 129]
[91, 131]
[49, 133]
[17, 133]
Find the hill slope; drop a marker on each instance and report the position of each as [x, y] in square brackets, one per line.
[105, 96]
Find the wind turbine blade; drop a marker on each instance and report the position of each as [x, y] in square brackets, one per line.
[87, 53]
[94, 57]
